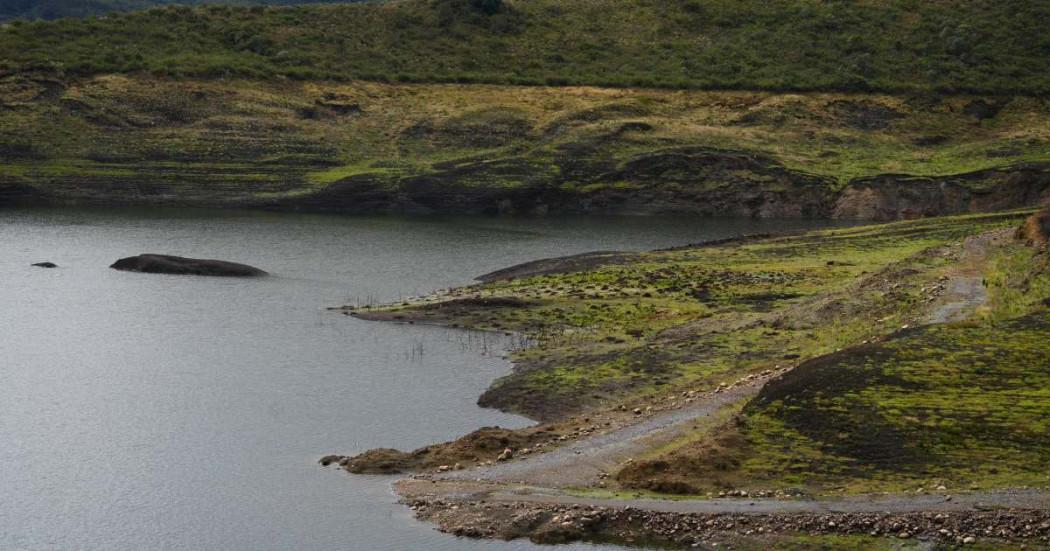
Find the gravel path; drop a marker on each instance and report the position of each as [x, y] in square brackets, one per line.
[583, 462]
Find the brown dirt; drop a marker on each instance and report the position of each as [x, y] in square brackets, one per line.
[481, 446]
[1035, 232]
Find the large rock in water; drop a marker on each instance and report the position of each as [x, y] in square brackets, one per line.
[164, 264]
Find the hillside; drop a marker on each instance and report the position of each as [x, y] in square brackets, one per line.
[979, 46]
[863, 110]
[55, 9]
[370, 147]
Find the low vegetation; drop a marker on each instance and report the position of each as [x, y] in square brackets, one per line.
[878, 398]
[370, 146]
[56, 9]
[951, 407]
[980, 46]
[699, 316]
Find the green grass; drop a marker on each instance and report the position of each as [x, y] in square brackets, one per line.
[309, 135]
[333, 175]
[786, 45]
[879, 401]
[698, 317]
[1017, 282]
[963, 405]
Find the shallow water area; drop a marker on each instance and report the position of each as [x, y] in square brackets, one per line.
[176, 412]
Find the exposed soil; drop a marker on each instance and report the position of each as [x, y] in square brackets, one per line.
[902, 197]
[481, 446]
[705, 182]
[587, 461]
[1035, 232]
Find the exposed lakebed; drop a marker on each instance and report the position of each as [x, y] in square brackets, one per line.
[172, 412]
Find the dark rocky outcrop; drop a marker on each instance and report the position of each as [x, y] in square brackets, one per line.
[17, 193]
[45, 265]
[176, 265]
[896, 197]
[700, 181]
[578, 179]
[559, 265]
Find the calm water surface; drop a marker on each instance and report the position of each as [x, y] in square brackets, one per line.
[165, 412]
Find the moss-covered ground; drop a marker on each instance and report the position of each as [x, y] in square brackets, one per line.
[877, 399]
[948, 408]
[696, 317]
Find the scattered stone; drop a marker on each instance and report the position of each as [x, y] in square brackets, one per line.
[558, 523]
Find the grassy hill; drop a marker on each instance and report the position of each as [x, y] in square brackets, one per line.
[756, 108]
[55, 9]
[961, 404]
[366, 147]
[879, 45]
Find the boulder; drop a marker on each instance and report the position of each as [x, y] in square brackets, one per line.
[45, 265]
[165, 264]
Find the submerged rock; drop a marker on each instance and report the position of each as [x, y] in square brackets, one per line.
[165, 264]
[45, 265]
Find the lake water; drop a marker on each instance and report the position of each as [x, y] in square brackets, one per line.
[166, 412]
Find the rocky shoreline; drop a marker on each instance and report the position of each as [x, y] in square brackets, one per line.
[548, 524]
